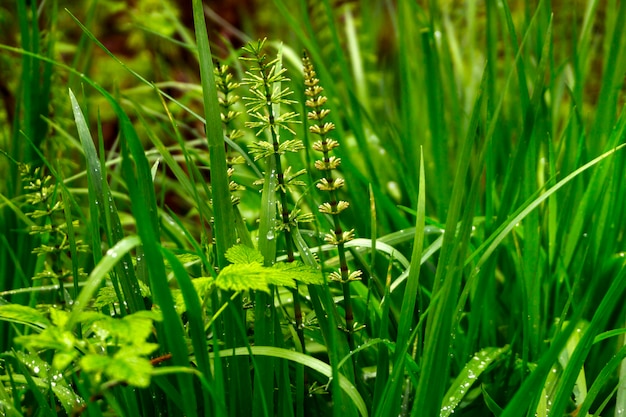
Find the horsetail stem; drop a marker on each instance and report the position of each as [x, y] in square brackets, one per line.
[330, 184]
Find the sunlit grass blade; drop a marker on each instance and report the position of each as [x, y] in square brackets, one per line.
[222, 207]
[490, 244]
[447, 283]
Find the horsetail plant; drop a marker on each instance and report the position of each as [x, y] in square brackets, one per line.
[264, 79]
[330, 184]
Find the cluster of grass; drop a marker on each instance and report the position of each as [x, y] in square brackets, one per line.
[422, 215]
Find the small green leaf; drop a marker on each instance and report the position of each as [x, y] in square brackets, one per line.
[58, 317]
[241, 254]
[95, 364]
[141, 348]
[131, 330]
[53, 338]
[106, 296]
[50, 338]
[133, 370]
[203, 286]
[296, 270]
[185, 259]
[23, 315]
[242, 277]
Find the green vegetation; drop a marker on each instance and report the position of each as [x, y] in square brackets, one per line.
[377, 209]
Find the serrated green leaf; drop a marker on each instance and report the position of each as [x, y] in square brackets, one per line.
[50, 338]
[95, 364]
[140, 348]
[58, 317]
[133, 370]
[23, 315]
[124, 366]
[241, 254]
[54, 338]
[106, 296]
[132, 329]
[62, 360]
[185, 259]
[296, 270]
[242, 277]
[87, 318]
[154, 315]
[203, 286]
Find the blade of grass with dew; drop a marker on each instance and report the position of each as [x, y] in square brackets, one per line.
[327, 317]
[224, 234]
[565, 385]
[136, 173]
[43, 406]
[264, 305]
[103, 212]
[531, 277]
[490, 244]
[435, 360]
[468, 375]
[310, 362]
[185, 181]
[222, 207]
[196, 323]
[592, 196]
[99, 274]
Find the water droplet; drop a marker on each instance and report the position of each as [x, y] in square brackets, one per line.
[270, 235]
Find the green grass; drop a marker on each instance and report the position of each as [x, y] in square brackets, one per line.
[157, 258]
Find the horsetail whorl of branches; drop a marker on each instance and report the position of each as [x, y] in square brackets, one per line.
[264, 80]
